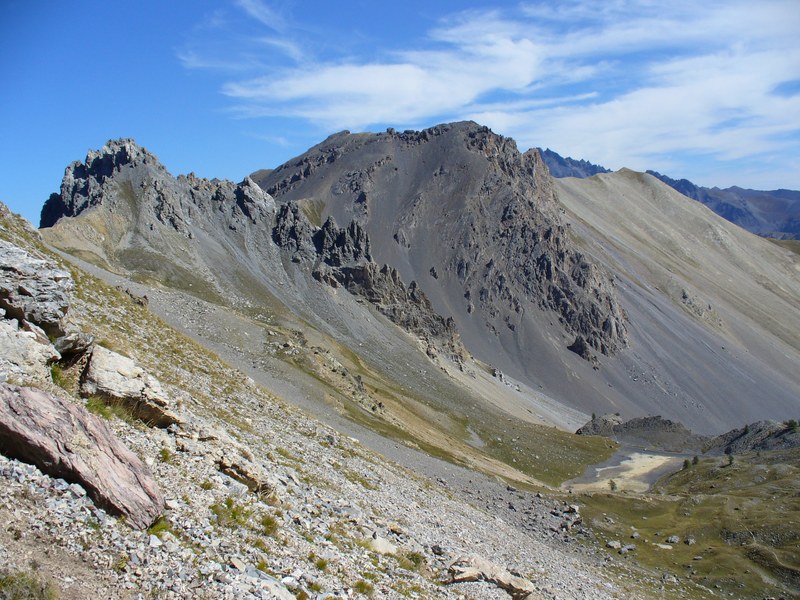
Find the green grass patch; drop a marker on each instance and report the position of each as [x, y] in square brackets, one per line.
[26, 585]
[230, 513]
[109, 409]
[363, 587]
[744, 518]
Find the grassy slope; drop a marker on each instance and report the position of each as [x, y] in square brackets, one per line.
[744, 516]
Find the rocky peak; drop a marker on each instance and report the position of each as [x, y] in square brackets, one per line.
[84, 182]
[342, 246]
[499, 246]
[138, 188]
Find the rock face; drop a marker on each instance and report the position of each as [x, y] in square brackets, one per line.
[759, 436]
[652, 432]
[33, 289]
[23, 355]
[64, 440]
[459, 210]
[341, 257]
[117, 378]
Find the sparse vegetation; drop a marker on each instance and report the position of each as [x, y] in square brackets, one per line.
[269, 525]
[160, 527]
[744, 518]
[230, 513]
[165, 455]
[363, 587]
[26, 585]
[109, 409]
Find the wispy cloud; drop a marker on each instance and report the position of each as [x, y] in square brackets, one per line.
[627, 83]
[263, 13]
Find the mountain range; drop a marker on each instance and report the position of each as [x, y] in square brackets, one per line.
[669, 310]
[358, 374]
[773, 214]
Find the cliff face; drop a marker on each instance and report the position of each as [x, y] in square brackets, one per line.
[222, 240]
[460, 210]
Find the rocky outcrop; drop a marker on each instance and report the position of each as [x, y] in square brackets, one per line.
[33, 289]
[651, 432]
[64, 440]
[474, 568]
[341, 258]
[755, 437]
[24, 356]
[117, 378]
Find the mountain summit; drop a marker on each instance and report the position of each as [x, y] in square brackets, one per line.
[607, 294]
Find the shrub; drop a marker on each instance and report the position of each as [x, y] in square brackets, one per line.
[363, 587]
[269, 525]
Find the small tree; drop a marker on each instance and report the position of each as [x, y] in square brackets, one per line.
[730, 459]
[695, 460]
[686, 464]
[612, 485]
[791, 424]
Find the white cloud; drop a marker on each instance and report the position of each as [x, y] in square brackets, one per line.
[628, 82]
[263, 13]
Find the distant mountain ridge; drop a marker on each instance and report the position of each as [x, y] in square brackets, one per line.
[773, 214]
[569, 167]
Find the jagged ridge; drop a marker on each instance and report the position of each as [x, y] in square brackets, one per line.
[495, 216]
[341, 257]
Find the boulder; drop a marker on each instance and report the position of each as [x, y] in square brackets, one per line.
[23, 356]
[246, 472]
[33, 289]
[74, 343]
[381, 545]
[117, 378]
[473, 568]
[64, 440]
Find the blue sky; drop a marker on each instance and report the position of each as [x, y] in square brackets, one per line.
[708, 91]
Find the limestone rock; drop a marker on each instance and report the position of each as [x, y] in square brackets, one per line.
[118, 378]
[653, 432]
[64, 440]
[73, 343]
[33, 289]
[341, 258]
[381, 545]
[246, 472]
[23, 357]
[473, 568]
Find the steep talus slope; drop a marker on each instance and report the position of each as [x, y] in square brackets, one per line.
[305, 310]
[713, 309]
[460, 211]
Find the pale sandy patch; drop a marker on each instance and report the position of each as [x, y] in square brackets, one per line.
[634, 474]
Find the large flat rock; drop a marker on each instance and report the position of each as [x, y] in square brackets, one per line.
[64, 440]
